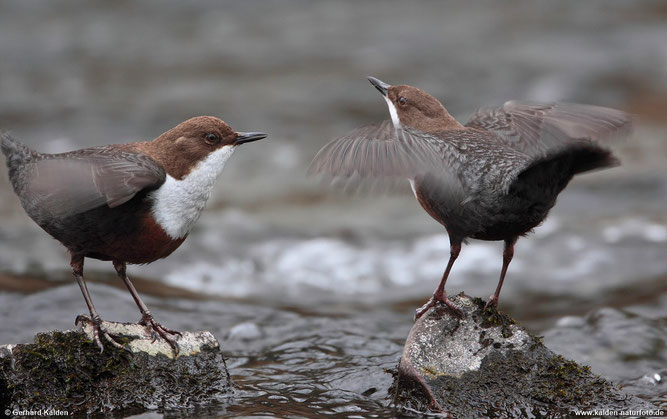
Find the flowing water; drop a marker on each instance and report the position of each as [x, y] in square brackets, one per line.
[311, 293]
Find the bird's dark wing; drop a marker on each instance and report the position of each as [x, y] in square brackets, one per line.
[72, 183]
[539, 130]
[380, 152]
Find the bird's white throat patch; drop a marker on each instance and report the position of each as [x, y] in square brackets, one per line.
[393, 113]
[414, 189]
[177, 204]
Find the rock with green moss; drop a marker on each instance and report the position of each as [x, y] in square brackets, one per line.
[67, 372]
[486, 365]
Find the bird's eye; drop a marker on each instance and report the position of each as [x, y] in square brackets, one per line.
[212, 138]
[402, 101]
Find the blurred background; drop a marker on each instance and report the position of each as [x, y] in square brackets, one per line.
[297, 280]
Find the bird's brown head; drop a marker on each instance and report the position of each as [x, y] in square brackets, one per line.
[413, 107]
[183, 147]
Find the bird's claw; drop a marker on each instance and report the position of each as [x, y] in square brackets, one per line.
[433, 301]
[423, 309]
[98, 332]
[156, 329]
[493, 302]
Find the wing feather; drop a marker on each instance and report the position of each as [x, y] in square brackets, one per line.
[539, 130]
[72, 183]
[380, 157]
[377, 151]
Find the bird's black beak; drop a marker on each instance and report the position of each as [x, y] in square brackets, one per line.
[380, 85]
[248, 137]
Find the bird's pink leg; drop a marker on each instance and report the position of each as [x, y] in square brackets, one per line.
[77, 269]
[440, 296]
[146, 316]
[508, 254]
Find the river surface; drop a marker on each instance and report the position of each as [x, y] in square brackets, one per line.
[310, 292]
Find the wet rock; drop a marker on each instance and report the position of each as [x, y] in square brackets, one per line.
[65, 371]
[487, 365]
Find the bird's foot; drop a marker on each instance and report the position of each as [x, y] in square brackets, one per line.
[423, 309]
[98, 332]
[492, 303]
[157, 329]
[433, 301]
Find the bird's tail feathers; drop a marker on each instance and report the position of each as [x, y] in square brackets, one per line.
[16, 153]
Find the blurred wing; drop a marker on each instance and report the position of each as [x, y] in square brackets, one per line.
[539, 130]
[377, 153]
[70, 184]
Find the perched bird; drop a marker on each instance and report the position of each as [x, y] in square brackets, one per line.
[126, 203]
[494, 178]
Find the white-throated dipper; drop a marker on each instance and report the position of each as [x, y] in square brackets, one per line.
[494, 178]
[126, 203]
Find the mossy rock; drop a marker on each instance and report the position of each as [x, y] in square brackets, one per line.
[486, 365]
[66, 371]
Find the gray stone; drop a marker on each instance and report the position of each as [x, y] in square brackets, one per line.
[67, 372]
[487, 365]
